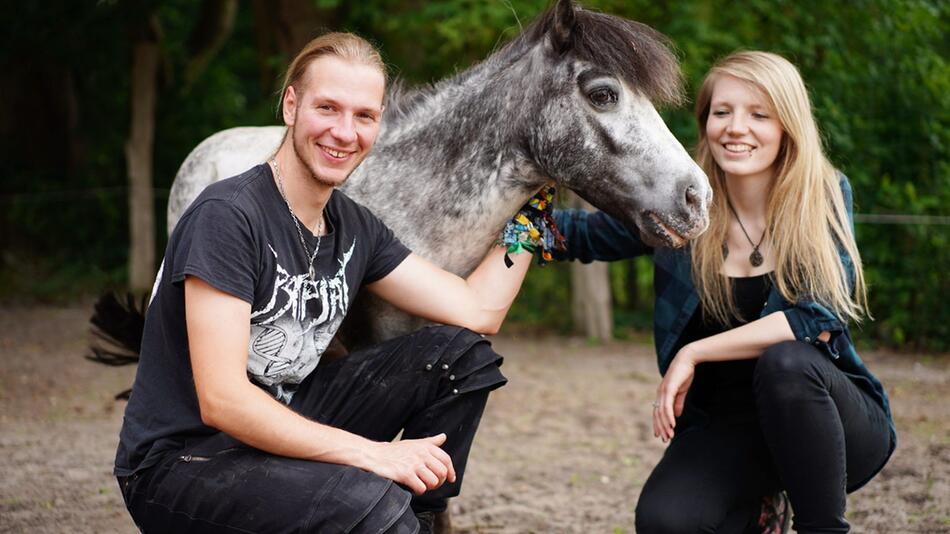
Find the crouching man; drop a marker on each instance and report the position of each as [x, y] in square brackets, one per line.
[232, 426]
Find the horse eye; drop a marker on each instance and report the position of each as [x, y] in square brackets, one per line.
[602, 97]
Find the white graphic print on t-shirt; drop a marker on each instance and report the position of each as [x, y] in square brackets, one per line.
[290, 333]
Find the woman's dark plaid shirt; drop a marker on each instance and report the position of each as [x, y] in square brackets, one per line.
[599, 237]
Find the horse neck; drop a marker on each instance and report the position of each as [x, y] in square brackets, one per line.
[455, 167]
[483, 110]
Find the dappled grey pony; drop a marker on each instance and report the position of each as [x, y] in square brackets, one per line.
[569, 100]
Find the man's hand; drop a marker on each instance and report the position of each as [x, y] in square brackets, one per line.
[418, 464]
[671, 394]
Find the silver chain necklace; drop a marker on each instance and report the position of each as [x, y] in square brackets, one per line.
[293, 216]
[755, 258]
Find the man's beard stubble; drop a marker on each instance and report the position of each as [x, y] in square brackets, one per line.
[313, 172]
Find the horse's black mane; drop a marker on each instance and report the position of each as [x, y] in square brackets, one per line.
[637, 53]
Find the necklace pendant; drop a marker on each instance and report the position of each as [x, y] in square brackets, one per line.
[756, 258]
[313, 274]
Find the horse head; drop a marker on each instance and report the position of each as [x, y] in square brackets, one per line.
[599, 133]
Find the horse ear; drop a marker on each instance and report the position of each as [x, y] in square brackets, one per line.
[563, 26]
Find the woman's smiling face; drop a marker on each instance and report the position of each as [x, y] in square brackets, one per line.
[742, 129]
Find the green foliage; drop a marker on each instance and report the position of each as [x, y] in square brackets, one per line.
[877, 70]
[545, 298]
[426, 41]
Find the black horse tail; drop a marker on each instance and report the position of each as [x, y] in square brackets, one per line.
[118, 327]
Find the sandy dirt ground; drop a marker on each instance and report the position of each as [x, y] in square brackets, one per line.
[565, 447]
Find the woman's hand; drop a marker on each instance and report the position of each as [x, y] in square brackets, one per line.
[671, 393]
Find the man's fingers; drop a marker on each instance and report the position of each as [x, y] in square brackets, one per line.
[436, 440]
[446, 460]
[428, 478]
[432, 465]
[451, 474]
[414, 483]
[441, 455]
[438, 468]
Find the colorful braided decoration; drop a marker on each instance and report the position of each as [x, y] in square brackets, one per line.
[533, 229]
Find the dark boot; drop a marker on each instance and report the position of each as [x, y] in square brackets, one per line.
[426, 521]
[435, 522]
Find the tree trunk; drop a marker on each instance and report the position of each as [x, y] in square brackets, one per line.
[590, 293]
[214, 26]
[264, 30]
[285, 26]
[138, 151]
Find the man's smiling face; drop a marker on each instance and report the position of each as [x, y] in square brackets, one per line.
[334, 113]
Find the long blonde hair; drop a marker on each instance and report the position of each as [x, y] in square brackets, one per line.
[806, 217]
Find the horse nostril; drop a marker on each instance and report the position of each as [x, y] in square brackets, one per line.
[693, 199]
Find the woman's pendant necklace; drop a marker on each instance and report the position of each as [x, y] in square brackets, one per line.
[755, 258]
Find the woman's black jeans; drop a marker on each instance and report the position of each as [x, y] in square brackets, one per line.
[432, 381]
[811, 432]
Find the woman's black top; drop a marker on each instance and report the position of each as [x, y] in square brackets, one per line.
[725, 388]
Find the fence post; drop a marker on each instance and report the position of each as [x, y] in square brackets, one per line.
[139, 150]
[591, 305]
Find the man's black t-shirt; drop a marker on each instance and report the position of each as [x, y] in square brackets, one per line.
[238, 236]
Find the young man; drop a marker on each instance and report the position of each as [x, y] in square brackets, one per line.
[232, 426]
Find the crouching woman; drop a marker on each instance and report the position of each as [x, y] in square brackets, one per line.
[763, 394]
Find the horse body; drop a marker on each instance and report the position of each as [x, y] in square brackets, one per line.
[453, 162]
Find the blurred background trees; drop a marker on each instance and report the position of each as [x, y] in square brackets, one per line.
[73, 95]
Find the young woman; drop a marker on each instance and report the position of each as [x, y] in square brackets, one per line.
[762, 389]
